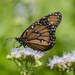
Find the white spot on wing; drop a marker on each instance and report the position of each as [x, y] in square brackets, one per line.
[48, 19]
[42, 41]
[27, 31]
[56, 14]
[51, 22]
[38, 23]
[32, 26]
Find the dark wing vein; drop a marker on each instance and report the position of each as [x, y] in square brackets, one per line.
[35, 34]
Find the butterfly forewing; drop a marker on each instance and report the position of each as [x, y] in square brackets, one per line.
[33, 36]
[54, 19]
[41, 34]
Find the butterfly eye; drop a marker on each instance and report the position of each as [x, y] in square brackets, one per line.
[41, 34]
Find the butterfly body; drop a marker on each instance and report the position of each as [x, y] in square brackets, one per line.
[41, 34]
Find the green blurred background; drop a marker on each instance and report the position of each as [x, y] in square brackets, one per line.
[17, 15]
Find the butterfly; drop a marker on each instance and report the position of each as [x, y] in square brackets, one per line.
[41, 34]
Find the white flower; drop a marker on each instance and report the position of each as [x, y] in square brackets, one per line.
[67, 57]
[65, 63]
[73, 56]
[26, 57]
[56, 61]
[52, 62]
[38, 54]
[17, 53]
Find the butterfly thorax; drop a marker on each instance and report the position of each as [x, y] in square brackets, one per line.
[22, 41]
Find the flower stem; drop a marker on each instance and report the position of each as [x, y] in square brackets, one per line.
[16, 64]
[62, 73]
[26, 68]
[74, 71]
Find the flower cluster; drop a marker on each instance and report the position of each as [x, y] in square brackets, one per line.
[16, 53]
[64, 63]
[26, 60]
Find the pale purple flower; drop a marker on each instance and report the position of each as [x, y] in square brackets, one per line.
[17, 53]
[65, 63]
[56, 61]
[67, 57]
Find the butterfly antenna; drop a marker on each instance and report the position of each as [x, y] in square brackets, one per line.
[8, 39]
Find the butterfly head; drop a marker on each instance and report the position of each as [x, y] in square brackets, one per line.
[22, 41]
